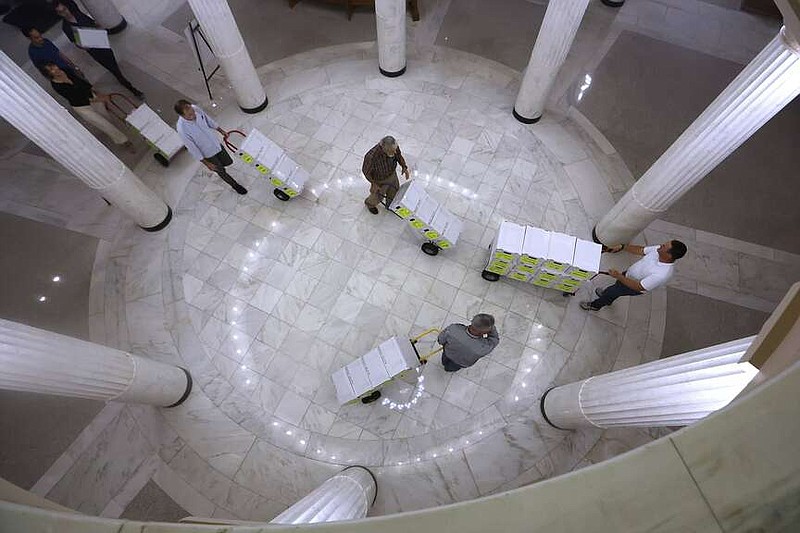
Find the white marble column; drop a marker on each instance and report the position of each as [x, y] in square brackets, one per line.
[674, 391]
[25, 105]
[390, 16]
[346, 496]
[560, 24]
[219, 27]
[105, 13]
[35, 360]
[769, 82]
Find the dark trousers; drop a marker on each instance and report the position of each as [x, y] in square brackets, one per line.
[105, 57]
[449, 364]
[613, 292]
[221, 160]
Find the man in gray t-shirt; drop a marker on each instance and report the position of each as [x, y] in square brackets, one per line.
[464, 345]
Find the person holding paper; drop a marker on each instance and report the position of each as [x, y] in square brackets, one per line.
[464, 345]
[80, 95]
[379, 167]
[197, 131]
[74, 18]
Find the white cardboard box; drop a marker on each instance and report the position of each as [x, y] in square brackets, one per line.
[376, 369]
[398, 355]
[586, 261]
[439, 223]
[357, 372]
[510, 238]
[407, 199]
[535, 246]
[450, 235]
[426, 209]
[343, 386]
[560, 252]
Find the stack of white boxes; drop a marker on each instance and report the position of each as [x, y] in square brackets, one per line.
[373, 369]
[425, 215]
[543, 258]
[270, 160]
[156, 132]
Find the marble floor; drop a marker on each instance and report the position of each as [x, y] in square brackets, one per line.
[262, 299]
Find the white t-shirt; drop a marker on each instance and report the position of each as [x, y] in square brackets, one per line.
[649, 271]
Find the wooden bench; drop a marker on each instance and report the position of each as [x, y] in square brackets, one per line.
[350, 6]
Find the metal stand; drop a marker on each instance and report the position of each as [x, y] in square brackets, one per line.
[194, 29]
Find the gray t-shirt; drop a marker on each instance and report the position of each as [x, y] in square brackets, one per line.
[465, 349]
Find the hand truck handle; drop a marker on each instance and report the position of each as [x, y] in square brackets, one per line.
[227, 141]
[424, 358]
[115, 109]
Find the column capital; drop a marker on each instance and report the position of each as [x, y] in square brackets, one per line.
[791, 41]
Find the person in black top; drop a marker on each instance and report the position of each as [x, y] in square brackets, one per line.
[75, 18]
[81, 95]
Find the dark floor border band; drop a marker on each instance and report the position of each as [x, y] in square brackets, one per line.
[613, 3]
[544, 414]
[392, 74]
[186, 392]
[375, 498]
[119, 27]
[526, 120]
[161, 225]
[257, 109]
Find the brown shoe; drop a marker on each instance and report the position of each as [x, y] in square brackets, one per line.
[373, 210]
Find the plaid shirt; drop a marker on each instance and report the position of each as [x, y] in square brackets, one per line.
[377, 165]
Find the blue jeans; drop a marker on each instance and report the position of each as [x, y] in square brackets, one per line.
[613, 292]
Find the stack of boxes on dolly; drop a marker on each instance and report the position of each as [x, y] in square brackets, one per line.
[543, 258]
[284, 174]
[426, 216]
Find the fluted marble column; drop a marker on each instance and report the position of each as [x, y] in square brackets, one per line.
[561, 22]
[105, 13]
[390, 16]
[769, 82]
[219, 27]
[346, 496]
[25, 105]
[674, 391]
[35, 360]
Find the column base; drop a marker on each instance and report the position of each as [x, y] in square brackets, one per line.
[544, 413]
[257, 109]
[186, 392]
[613, 3]
[392, 74]
[119, 27]
[161, 225]
[375, 498]
[526, 120]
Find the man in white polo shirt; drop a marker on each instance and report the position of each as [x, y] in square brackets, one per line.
[197, 131]
[646, 274]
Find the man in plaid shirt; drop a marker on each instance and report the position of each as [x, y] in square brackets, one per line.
[379, 169]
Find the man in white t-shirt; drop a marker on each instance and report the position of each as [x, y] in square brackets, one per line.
[649, 272]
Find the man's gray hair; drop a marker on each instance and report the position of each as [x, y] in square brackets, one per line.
[482, 321]
[389, 142]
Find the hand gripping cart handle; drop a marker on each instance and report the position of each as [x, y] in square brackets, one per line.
[157, 134]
